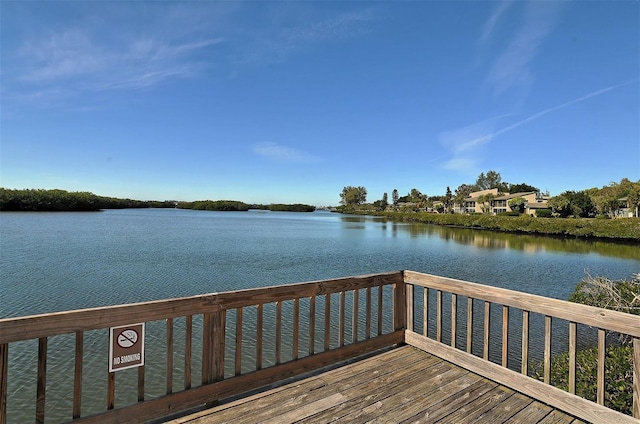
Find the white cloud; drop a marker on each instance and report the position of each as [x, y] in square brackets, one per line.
[280, 153]
[491, 23]
[512, 67]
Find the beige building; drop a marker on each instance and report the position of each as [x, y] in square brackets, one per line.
[477, 202]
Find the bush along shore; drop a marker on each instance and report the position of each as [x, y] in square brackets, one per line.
[627, 229]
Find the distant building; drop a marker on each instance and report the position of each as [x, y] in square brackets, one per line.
[475, 203]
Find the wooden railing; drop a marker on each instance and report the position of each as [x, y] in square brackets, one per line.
[218, 345]
[342, 319]
[455, 319]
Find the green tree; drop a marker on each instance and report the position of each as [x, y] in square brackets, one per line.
[485, 200]
[353, 196]
[448, 200]
[462, 192]
[521, 188]
[491, 180]
[517, 204]
[395, 197]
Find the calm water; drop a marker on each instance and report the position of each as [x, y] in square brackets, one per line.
[61, 261]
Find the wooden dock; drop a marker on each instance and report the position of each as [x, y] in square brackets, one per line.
[403, 385]
[437, 350]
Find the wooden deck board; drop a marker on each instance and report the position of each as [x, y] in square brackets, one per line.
[401, 385]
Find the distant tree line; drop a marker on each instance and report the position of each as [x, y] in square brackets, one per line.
[38, 200]
[233, 205]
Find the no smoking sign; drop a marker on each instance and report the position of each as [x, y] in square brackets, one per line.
[126, 347]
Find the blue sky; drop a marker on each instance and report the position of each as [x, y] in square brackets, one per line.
[289, 102]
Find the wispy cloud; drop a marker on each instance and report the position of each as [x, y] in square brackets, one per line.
[73, 56]
[274, 42]
[280, 153]
[464, 143]
[512, 68]
[490, 24]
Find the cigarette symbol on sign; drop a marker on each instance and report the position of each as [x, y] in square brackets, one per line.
[127, 338]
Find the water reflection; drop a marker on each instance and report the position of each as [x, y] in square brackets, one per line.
[498, 240]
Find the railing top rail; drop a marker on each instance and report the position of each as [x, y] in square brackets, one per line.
[50, 324]
[570, 311]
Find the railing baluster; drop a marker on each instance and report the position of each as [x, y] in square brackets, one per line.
[425, 311]
[439, 315]
[42, 379]
[141, 383]
[312, 325]
[409, 307]
[601, 355]
[487, 326]
[327, 322]
[4, 372]
[399, 306]
[547, 349]
[379, 309]
[296, 328]
[207, 348]
[454, 318]
[219, 338]
[169, 382]
[238, 357]
[187, 352]
[341, 318]
[469, 324]
[505, 335]
[259, 324]
[367, 333]
[355, 316]
[111, 390]
[278, 332]
[636, 377]
[572, 357]
[77, 374]
[524, 366]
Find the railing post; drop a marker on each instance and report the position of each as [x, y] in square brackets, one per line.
[399, 306]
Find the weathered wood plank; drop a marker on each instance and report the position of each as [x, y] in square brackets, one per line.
[478, 407]
[450, 404]
[595, 317]
[259, 407]
[565, 401]
[505, 409]
[533, 413]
